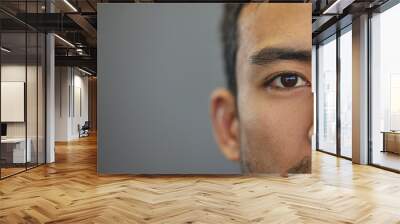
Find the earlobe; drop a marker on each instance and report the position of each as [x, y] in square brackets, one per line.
[234, 153]
[225, 123]
[310, 133]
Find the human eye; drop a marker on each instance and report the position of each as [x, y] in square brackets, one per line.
[286, 81]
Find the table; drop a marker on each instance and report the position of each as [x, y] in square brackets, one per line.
[13, 150]
[391, 141]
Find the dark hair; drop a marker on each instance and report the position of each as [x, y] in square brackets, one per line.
[229, 30]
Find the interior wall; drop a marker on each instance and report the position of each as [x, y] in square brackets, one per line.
[69, 112]
[16, 72]
[80, 112]
[33, 126]
[62, 80]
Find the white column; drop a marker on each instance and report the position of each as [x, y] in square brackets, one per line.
[360, 90]
[50, 93]
[314, 91]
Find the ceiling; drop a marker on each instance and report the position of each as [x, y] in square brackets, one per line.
[76, 22]
[332, 15]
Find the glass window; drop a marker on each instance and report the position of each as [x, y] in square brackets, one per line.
[14, 153]
[313, 84]
[346, 92]
[22, 92]
[327, 95]
[31, 100]
[41, 79]
[385, 88]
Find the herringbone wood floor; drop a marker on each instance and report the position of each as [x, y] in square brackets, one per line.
[70, 191]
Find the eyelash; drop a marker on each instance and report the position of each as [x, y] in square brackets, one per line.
[277, 77]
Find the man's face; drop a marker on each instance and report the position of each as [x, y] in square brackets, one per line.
[274, 100]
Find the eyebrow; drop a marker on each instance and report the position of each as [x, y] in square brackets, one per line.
[269, 55]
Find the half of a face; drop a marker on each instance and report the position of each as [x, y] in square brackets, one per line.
[274, 111]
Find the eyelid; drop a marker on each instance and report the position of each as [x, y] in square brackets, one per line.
[269, 79]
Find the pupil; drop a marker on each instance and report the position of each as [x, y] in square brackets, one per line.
[289, 80]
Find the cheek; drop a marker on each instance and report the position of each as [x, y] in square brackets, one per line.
[274, 130]
[271, 118]
[294, 116]
[258, 121]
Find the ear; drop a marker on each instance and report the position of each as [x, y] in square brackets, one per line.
[225, 123]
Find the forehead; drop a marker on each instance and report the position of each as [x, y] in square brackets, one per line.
[286, 25]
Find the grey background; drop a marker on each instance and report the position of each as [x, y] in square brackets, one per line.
[157, 65]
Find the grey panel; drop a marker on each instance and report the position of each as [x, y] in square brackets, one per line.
[157, 65]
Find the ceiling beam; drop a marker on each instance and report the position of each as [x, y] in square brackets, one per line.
[83, 61]
[86, 27]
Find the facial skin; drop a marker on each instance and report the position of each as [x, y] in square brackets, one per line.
[267, 127]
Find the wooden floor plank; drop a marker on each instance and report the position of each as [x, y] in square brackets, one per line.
[70, 191]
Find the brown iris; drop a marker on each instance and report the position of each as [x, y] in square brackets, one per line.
[289, 80]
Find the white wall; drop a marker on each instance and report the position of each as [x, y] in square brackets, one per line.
[62, 81]
[70, 83]
[79, 117]
[16, 73]
[33, 126]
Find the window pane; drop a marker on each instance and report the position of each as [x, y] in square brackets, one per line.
[346, 94]
[327, 96]
[41, 98]
[14, 153]
[385, 88]
[313, 83]
[31, 99]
